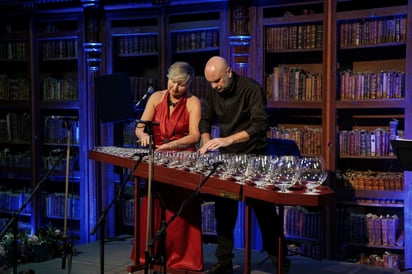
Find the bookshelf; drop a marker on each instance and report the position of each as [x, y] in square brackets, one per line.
[196, 32]
[371, 108]
[290, 43]
[58, 120]
[292, 56]
[193, 31]
[360, 46]
[15, 119]
[41, 62]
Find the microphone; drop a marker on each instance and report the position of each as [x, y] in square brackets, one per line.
[149, 91]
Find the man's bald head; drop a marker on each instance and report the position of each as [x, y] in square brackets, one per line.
[218, 73]
[216, 64]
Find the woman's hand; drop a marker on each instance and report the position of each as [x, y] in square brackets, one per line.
[144, 139]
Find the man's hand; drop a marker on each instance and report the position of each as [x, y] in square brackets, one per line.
[214, 144]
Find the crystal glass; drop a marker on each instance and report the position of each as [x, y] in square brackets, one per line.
[313, 173]
[286, 172]
[229, 166]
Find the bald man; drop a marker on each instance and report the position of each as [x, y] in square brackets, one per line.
[238, 105]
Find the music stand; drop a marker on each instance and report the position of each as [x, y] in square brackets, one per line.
[280, 147]
[403, 151]
[114, 97]
[114, 104]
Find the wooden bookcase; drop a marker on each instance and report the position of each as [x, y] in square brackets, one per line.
[42, 118]
[192, 32]
[342, 108]
[57, 117]
[371, 50]
[290, 51]
[15, 119]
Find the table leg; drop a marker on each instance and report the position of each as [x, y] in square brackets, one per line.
[247, 236]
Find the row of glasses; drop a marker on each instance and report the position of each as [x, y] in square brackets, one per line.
[261, 170]
[309, 171]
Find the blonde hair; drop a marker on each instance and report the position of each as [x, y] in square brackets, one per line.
[181, 71]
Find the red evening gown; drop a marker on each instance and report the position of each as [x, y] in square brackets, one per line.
[183, 235]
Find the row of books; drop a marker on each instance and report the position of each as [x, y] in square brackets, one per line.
[22, 226]
[14, 88]
[129, 135]
[307, 139]
[140, 85]
[291, 37]
[12, 201]
[373, 30]
[289, 83]
[59, 49]
[368, 85]
[386, 260]
[298, 223]
[197, 39]
[374, 180]
[9, 159]
[56, 129]
[383, 230]
[13, 127]
[240, 24]
[137, 44]
[309, 249]
[51, 160]
[302, 223]
[23, 159]
[59, 89]
[375, 142]
[379, 201]
[13, 51]
[209, 223]
[208, 219]
[54, 204]
[369, 228]
[128, 212]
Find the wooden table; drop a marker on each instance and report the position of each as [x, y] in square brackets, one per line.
[213, 186]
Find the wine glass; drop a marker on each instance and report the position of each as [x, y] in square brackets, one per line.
[286, 172]
[229, 166]
[313, 173]
[251, 167]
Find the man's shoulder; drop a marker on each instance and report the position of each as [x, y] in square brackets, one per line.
[243, 80]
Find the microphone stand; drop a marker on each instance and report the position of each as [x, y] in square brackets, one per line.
[101, 222]
[161, 233]
[67, 246]
[14, 220]
[149, 129]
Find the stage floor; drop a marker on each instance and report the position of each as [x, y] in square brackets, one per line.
[117, 259]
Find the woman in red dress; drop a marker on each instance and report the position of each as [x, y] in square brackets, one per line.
[178, 113]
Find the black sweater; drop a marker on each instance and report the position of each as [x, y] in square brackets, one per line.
[242, 107]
